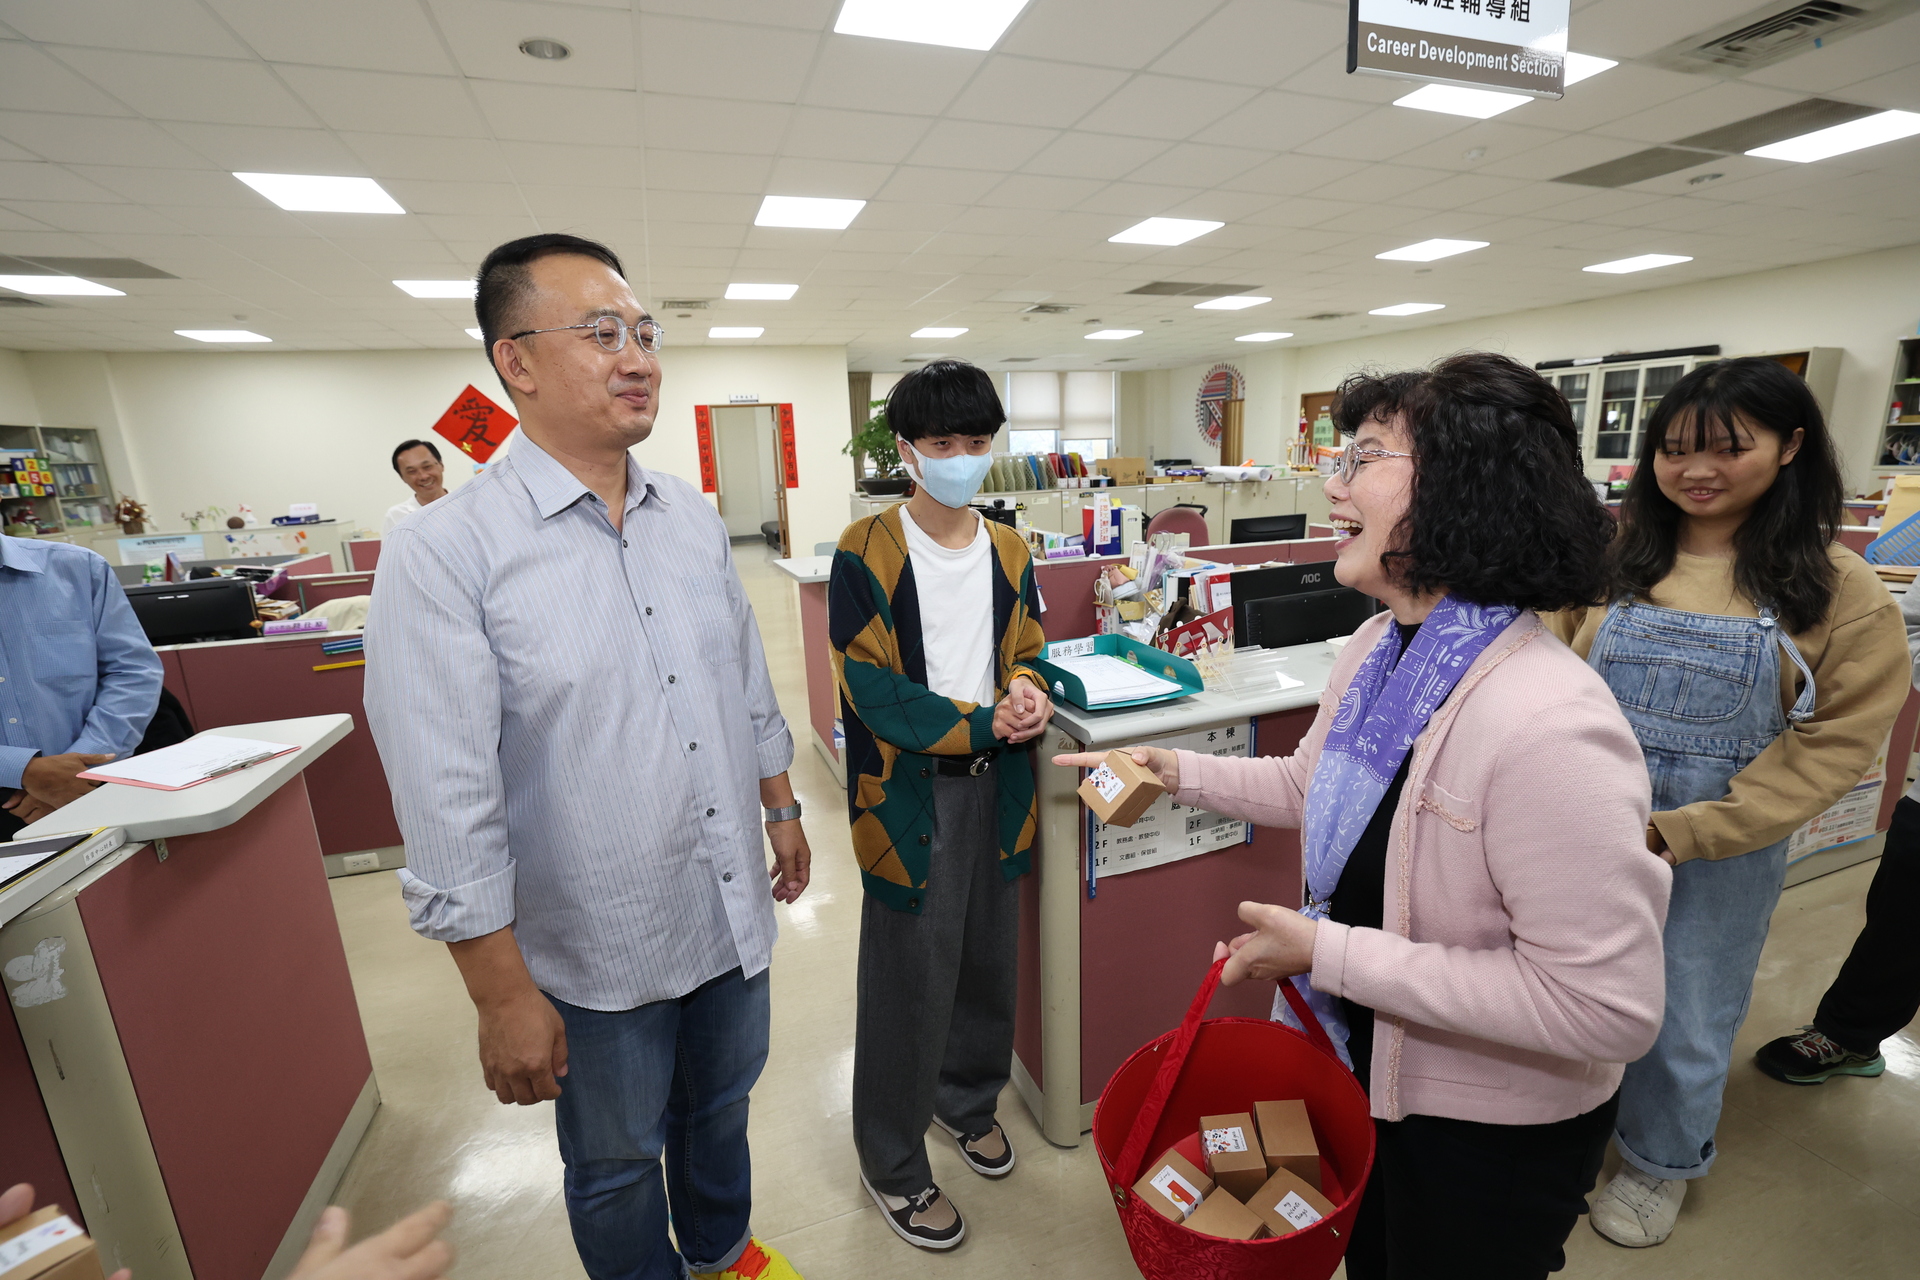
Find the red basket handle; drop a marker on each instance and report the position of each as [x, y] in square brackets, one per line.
[1147, 1119]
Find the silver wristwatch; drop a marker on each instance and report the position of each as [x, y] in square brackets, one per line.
[787, 814]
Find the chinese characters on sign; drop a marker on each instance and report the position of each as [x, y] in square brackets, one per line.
[476, 425]
[1168, 832]
[789, 456]
[703, 435]
[1512, 45]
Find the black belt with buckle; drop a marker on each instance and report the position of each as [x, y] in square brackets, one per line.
[967, 766]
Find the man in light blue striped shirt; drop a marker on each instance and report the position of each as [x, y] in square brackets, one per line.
[573, 708]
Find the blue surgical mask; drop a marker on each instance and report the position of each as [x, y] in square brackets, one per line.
[951, 482]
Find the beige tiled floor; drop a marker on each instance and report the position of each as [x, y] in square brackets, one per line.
[1811, 1182]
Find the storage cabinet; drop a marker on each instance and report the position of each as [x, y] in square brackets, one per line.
[1900, 434]
[79, 497]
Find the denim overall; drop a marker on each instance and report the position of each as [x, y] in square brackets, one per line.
[1701, 692]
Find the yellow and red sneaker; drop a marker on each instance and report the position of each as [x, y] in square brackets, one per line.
[756, 1262]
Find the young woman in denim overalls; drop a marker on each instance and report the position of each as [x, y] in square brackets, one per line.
[1761, 666]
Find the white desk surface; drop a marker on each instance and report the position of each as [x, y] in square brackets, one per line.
[806, 568]
[147, 814]
[1250, 689]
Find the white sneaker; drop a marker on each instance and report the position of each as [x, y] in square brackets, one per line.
[1637, 1209]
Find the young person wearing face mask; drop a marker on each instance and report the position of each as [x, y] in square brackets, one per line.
[1481, 932]
[934, 616]
[1762, 665]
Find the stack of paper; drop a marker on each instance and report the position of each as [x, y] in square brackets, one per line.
[190, 763]
[1108, 679]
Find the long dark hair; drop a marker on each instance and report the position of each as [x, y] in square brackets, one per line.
[1501, 511]
[1780, 550]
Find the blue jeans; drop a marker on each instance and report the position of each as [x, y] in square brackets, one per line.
[1716, 924]
[669, 1078]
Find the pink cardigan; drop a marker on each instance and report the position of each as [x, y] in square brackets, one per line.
[1521, 966]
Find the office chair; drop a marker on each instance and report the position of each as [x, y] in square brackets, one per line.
[1188, 518]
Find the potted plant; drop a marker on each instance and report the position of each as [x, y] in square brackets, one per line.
[875, 441]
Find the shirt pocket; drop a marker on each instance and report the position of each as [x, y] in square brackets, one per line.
[64, 656]
[1677, 673]
[714, 614]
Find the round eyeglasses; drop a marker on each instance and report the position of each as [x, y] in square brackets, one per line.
[611, 332]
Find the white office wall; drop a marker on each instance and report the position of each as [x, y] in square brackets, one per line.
[1862, 304]
[273, 428]
[18, 405]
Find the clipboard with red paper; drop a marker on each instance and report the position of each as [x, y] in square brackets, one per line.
[190, 763]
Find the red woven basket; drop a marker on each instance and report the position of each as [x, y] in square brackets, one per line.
[1217, 1066]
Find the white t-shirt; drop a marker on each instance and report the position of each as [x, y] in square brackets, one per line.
[956, 611]
[399, 511]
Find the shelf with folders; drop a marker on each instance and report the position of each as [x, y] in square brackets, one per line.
[1900, 436]
[53, 481]
[1020, 472]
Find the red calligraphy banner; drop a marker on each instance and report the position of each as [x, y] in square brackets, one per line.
[476, 425]
[789, 454]
[703, 429]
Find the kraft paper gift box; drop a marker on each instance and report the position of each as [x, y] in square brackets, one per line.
[1286, 1138]
[1234, 1158]
[1173, 1187]
[1220, 1214]
[1286, 1204]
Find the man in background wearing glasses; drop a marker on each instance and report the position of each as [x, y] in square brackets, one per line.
[573, 708]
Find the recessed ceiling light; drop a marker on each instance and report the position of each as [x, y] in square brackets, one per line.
[1407, 308]
[59, 286]
[1868, 131]
[1114, 335]
[1582, 66]
[935, 331]
[958, 24]
[1645, 262]
[814, 212]
[735, 331]
[436, 288]
[761, 292]
[223, 335]
[1455, 101]
[1429, 250]
[1165, 231]
[1238, 302]
[313, 193]
[1262, 337]
[545, 50]
[476, 335]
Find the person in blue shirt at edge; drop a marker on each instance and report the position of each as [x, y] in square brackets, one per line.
[941, 706]
[573, 709]
[78, 679]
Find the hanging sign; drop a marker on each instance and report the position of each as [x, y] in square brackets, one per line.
[789, 455]
[476, 425]
[703, 430]
[1515, 45]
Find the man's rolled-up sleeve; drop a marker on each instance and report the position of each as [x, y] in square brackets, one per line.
[433, 703]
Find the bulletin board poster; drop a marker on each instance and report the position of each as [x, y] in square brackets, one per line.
[1518, 46]
[1854, 816]
[1168, 832]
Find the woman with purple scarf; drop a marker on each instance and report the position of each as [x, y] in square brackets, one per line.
[1481, 932]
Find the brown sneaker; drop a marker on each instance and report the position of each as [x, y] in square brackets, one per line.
[927, 1220]
[989, 1153]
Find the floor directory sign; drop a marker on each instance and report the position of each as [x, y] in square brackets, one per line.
[1515, 45]
[1168, 832]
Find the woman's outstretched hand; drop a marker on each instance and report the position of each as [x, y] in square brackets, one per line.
[1164, 764]
[1280, 946]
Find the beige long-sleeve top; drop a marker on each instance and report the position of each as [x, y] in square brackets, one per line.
[1861, 673]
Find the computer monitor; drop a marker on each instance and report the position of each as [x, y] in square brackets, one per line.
[1268, 529]
[186, 612]
[1278, 605]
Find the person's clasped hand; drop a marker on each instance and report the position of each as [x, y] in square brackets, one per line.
[1023, 714]
[1280, 946]
[1164, 764]
[48, 782]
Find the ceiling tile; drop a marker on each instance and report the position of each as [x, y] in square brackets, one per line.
[1149, 106]
[722, 60]
[244, 148]
[173, 87]
[1029, 91]
[966, 144]
[919, 184]
[1257, 42]
[833, 179]
[540, 113]
[370, 35]
[1034, 191]
[394, 156]
[1292, 174]
[1387, 132]
[1128, 33]
[32, 80]
[20, 180]
[808, 15]
[887, 75]
[486, 35]
[1196, 164]
[823, 133]
[382, 102]
[713, 124]
[706, 171]
[1281, 121]
[535, 164]
[1630, 28]
[152, 26]
[1095, 155]
[96, 140]
[1718, 103]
